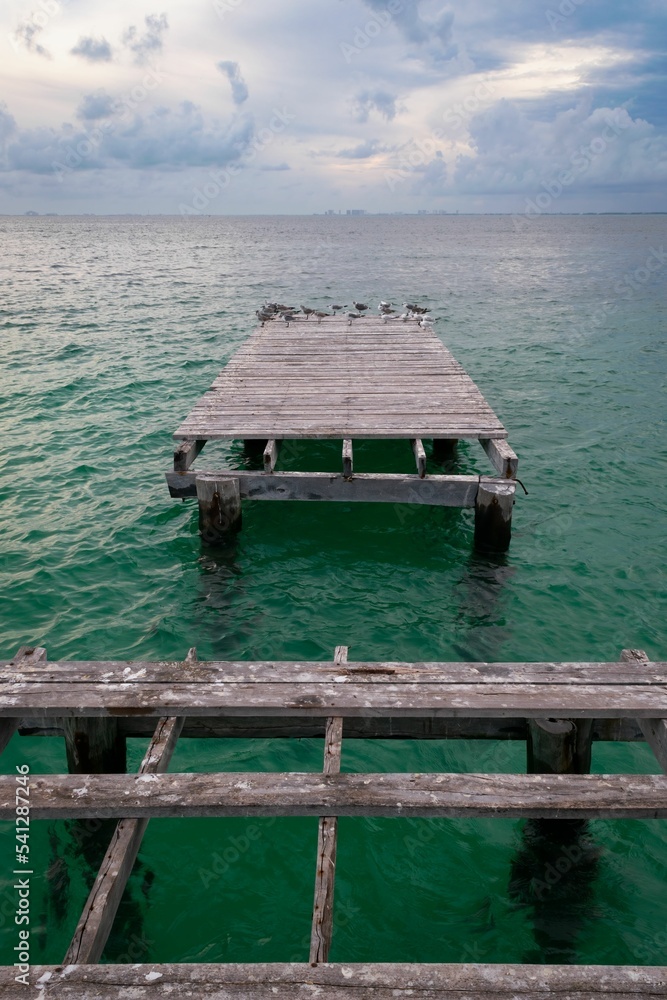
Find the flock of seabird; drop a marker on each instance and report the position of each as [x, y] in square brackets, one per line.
[290, 314]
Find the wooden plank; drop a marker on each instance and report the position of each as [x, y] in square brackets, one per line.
[443, 491]
[327, 834]
[654, 730]
[25, 657]
[420, 456]
[503, 458]
[270, 455]
[349, 981]
[185, 453]
[545, 796]
[347, 459]
[96, 921]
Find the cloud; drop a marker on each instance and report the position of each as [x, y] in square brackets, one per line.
[233, 73]
[163, 139]
[275, 166]
[151, 42]
[366, 149]
[26, 35]
[433, 35]
[93, 49]
[377, 100]
[96, 105]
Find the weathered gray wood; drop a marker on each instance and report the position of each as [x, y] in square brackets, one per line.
[250, 690]
[270, 456]
[493, 516]
[503, 458]
[420, 456]
[444, 491]
[185, 453]
[546, 796]
[26, 656]
[96, 921]
[559, 746]
[347, 459]
[219, 500]
[349, 981]
[654, 730]
[327, 834]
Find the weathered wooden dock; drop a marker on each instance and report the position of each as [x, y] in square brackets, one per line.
[331, 380]
[559, 708]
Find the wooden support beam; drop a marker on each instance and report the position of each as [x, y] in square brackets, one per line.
[96, 921]
[420, 456]
[327, 834]
[503, 458]
[185, 453]
[493, 516]
[25, 656]
[654, 730]
[347, 459]
[94, 745]
[348, 981]
[219, 507]
[270, 455]
[559, 746]
[376, 487]
[444, 449]
[510, 796]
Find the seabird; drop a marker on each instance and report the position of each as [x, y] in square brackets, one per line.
[360, 306]
[307, 312]
[320, 315]
[351, 316]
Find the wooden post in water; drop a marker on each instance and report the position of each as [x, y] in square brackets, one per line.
[559, 746]
[94, 746]
[219, 508]
[493, 516]
[444, 449]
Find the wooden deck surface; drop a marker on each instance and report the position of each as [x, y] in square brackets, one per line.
[331, 380]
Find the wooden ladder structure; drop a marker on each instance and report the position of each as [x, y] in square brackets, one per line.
[558, 708]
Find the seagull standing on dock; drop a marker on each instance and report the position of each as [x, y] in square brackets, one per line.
[351, 316]
[320, 315]
[360, 306]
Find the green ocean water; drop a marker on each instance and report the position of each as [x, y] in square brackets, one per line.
[110, 329]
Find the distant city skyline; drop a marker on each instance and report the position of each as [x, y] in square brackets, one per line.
[251, 106]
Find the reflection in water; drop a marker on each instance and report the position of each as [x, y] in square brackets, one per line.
[554, 873]
[480, 619]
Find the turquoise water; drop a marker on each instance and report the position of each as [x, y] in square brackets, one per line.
[110, 329]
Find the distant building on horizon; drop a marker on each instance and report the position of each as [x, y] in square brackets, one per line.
[356, 211]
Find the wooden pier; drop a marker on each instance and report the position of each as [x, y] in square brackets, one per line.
[347, 381]
[339, 700]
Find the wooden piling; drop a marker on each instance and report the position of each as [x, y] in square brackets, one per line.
[94, 746]
[444, 449]
[219, 507]
[559, 746]
[493, 516]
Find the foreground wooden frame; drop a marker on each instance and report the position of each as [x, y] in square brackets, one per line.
[622, 700]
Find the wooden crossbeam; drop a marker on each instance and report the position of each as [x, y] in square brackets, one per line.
[503, 458]
[26, 656]
[420, 456]
[375, 487]
[348, 981]
[185, 452]
[96, 921]
[270, 454]
[654, 730]
[546, 796]
[347, 458]
[327, 834]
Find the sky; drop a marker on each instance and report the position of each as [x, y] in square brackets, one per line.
[301, 106]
